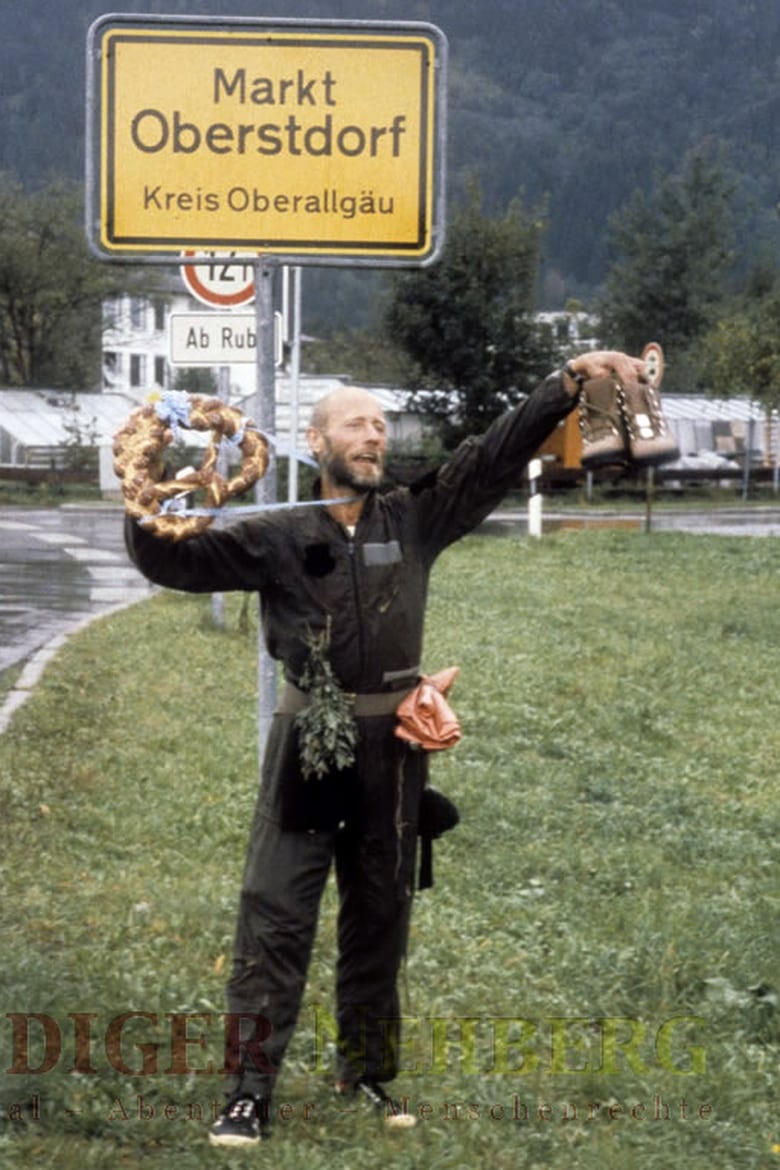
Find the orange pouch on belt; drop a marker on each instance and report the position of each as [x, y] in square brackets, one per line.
[425, 718]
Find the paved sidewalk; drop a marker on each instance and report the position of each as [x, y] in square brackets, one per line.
[35, 666]
[60, 569]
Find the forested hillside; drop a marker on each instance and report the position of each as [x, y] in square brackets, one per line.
[572, 104]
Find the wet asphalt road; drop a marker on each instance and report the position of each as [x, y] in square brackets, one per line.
[61, 566]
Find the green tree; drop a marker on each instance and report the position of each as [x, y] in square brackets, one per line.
[196, 380]
[51, 289]
[466, 322]
[364, 354]
[674, 252]
[80, 449]
[741, 352]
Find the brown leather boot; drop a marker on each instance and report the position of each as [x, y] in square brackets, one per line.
[649, 438]
[602, 428]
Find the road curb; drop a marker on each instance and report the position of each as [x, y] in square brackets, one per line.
[35, 666]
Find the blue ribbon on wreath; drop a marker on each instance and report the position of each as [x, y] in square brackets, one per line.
[174, 409]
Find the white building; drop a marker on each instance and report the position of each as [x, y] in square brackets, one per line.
[137, 361]
[135, 344]
[137, 353]
[572, 330]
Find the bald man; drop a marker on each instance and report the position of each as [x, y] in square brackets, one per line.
[355, 570]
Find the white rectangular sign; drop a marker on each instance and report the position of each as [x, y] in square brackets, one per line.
[216, 339]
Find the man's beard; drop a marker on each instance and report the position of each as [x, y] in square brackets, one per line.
[344, 475]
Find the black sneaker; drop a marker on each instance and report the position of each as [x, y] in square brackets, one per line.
[243, 1122]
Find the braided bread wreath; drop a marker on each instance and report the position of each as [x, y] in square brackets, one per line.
[138, 461]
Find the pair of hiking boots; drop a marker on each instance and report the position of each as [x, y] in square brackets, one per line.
[623, 423]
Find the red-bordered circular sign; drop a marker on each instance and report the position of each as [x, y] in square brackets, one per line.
[220, 281]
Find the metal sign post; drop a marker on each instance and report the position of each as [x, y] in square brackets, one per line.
[295, 381]
[223, 393]
[264, 411]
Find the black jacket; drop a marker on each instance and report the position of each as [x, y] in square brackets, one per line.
[373, 587]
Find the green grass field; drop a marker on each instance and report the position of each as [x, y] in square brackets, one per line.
[593, 980]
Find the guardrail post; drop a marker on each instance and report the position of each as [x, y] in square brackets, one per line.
[535, 498]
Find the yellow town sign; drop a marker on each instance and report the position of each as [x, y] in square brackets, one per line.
[321, 142]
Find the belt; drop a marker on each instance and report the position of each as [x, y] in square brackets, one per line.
[293, 700]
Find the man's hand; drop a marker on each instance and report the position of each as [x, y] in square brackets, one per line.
[602, 364]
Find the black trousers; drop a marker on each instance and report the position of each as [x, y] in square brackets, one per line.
[373, 849]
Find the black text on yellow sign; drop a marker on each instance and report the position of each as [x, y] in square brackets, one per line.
[305, 142]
